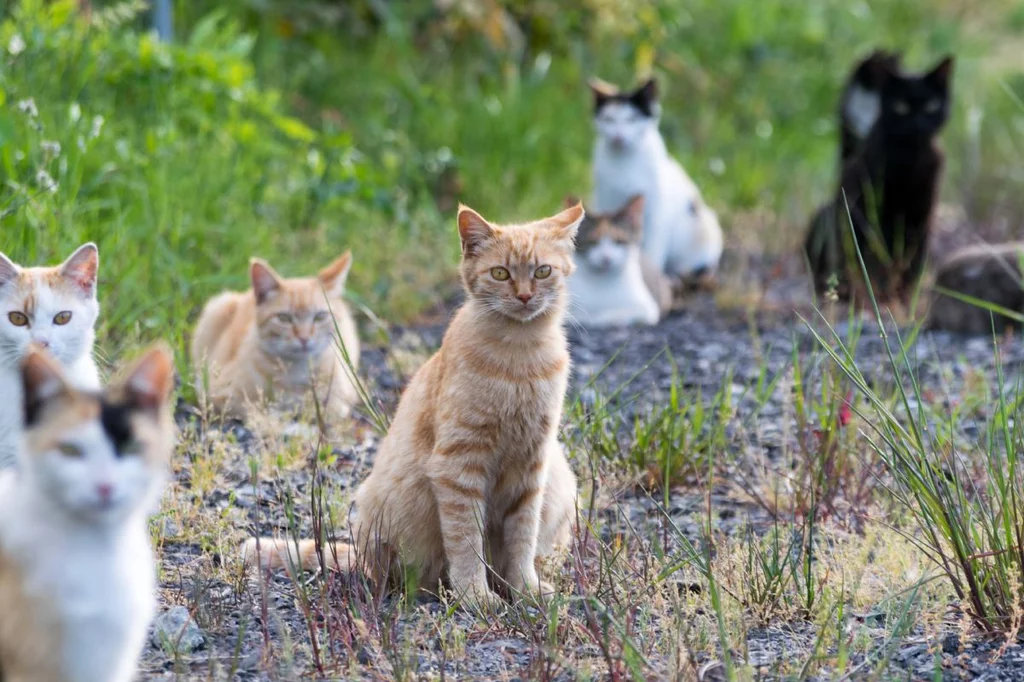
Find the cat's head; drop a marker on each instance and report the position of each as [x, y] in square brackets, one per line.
[98, 457]
[53, 307]
[623, 119]
[916, 105]
[518, 271]
[605, 241]
[294, 316]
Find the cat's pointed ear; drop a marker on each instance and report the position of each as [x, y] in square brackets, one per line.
[633, 212]
[42, 380]
[570, 201]
[81, 267]
[333, 277]
[474, 231]
[149, 382]
[8, 270]
[942, 72]
[565, 224]
[602, 92]
[265, 282]
[645, 97]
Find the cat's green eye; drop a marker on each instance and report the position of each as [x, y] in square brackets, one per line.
[62, 318]
[543, 272]
[284, 317]
[901, 107]
[321, 316]
[18, 319]
[500, 274]
[932, 106]
[132, 448]
[69, 450]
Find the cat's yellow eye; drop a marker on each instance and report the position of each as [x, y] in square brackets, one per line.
[932, 106]
[321, 316]
[62, 318]
[69, 450]
[543, 272]
[500, 274]
[18, 319]
[901, 107]
[284, 317]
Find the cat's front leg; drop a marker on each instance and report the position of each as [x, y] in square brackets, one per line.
[520, 526]
[461, 507]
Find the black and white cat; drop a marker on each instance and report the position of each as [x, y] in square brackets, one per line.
[615, 284]
[681, 234]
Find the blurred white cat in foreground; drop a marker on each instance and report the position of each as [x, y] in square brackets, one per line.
[77, 573]
[681, 234]
[55, 308]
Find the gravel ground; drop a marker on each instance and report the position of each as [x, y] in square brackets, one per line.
[700, 344]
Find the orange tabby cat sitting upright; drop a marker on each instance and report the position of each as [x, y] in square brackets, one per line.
[470, 483]
[278, 340]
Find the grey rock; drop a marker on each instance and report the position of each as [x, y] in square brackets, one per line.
[175, 630]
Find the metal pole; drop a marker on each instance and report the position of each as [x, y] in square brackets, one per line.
[163, 20]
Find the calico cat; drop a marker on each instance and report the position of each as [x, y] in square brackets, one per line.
[991, 273]
[890, 187]
[56, 308]
[471, 484]
[614, 283]
[681, 234]
[278, 340]
[861, 101]
[77, 573]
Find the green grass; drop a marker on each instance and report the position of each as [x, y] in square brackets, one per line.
[294, 133]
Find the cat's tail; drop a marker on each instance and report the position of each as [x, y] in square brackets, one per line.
[296, 556]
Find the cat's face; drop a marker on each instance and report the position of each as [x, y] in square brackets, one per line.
[606, 242]
[917, 106]
[518, 271]
[53, 307]
[294, 316]
[98, 457]
[623, 119]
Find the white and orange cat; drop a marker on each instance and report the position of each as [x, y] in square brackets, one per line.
[77, 573]
[278, 341]
[53, 307]
[471, 484]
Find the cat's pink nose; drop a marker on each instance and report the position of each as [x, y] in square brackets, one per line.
[105, 492]
[42, 343]
[525, 298]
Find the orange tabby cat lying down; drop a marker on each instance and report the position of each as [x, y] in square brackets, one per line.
[471, 476]
[278, 340]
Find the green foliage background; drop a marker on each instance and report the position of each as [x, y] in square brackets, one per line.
[296, 130]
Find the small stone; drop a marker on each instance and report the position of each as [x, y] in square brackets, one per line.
[175, 630]
[951, 643]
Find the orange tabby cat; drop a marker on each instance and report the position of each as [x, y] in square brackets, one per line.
[471, 476]
[278, 340]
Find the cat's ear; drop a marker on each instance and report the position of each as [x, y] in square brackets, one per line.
[149, 382]
[632, 214]
[645, 97]
[565, 224]
[602, 92]
[474, 231]
[942, 72]
[42, 380]
[333, 277]
[81, 267]
[570, 201]
[265, 282]
[8, 270]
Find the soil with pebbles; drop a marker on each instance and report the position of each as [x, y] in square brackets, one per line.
[698, 348]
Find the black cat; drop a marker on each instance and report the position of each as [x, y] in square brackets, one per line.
[890, 187]
[861, 102]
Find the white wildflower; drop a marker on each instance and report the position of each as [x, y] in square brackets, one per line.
[16, 45]
[28, 107]
[97, 127]
[51, 149]
[46, 182]
[75, 112]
